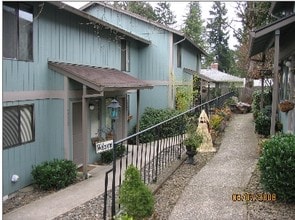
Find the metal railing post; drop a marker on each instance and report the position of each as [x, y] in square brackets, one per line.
[158, 150]
[114, 182]
[157, 153]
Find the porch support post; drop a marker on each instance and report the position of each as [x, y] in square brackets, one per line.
[84, 130]
[291, 114]
[137, 113]
[275, 91]
[66, 118]
[208, 92]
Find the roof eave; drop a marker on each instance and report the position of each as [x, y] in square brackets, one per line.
[56, 66]
[267, 30]
[85, 15]
[179, 33]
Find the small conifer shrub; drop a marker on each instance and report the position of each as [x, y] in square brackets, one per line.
[135, 197]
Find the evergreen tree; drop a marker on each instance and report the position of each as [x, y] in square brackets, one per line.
[164, 14]
[193, 24]
[141, 8]
[218, 37]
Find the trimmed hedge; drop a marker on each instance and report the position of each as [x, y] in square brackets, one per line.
[55, 174]
[152, 117]
[262, 124]
[277, 166]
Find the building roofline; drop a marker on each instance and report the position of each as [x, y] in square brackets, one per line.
[139, 17]
[266, 30]
[85, 15]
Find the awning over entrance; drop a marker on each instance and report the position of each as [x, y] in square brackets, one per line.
[98, 78]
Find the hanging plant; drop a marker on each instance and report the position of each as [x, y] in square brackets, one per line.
[286, 106]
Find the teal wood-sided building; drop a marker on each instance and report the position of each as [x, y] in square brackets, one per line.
[162, 63]
[61, 69]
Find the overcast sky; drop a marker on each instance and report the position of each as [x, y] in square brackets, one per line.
[180, 9]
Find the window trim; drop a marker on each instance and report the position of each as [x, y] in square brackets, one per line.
[125, 55]
[21, 6]
[19, 108]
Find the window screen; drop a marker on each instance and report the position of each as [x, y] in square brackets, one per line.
[18, 125]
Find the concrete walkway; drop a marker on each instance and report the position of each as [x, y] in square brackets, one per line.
[209, 193]
[53, 205]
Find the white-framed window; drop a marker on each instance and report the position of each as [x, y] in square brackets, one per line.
[17, 31]
[125, 55]
[18, 125]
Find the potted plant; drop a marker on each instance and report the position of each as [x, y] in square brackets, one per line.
[192, 142]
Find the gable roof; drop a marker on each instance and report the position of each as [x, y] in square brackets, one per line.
[218, 76]
[63, 6]
[212, 75]
[98, 78]
[141, 18]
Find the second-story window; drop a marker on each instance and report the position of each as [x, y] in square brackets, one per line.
[17, 31]
[125, 56]
[178, 55]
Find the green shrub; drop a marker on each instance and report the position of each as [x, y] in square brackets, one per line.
[123, 216]
[184, 98]
[152, 117]
[262, 124]
[256, 101]
[215, 121]
[277, 166]
[267, 110]
[55, 174]
[107, 156]
[135, 197]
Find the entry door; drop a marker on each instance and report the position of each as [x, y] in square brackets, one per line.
[77, 133]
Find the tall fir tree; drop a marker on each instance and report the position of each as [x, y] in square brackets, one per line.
[142, 8]
[164, 14]
[218, 36]
[193, 24]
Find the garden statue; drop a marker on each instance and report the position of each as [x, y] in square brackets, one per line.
[204, 130]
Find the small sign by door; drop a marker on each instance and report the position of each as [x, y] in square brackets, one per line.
[104, 146]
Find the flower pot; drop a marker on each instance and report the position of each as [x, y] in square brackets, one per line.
[190, 152]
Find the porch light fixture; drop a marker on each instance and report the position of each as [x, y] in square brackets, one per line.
[114, 108]
[91, 107]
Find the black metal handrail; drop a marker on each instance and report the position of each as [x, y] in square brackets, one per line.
[153, 149]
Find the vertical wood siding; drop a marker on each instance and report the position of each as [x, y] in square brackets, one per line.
[62, 36]
[48, 144]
